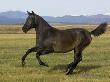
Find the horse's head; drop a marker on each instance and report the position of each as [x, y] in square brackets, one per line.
[30, 22]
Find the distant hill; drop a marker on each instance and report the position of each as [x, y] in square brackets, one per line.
[18, 17]
[12, 17]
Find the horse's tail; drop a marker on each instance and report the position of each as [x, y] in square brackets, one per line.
[99, 30]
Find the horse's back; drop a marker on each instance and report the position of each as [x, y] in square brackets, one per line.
[66, 40]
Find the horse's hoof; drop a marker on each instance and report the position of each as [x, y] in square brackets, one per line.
[23, 64]
[69, 71]
[68, 67]
[44, 64]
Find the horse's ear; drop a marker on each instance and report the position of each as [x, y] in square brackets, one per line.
[28, 13]
[33, 13]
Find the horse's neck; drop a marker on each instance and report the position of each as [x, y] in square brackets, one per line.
[43, 25]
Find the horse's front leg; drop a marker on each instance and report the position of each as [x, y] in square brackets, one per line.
[40, 61]
[27, 52]
[41, 51]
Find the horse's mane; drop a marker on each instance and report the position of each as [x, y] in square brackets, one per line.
[43, 22]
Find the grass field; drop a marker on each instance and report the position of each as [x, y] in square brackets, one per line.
[95, 66]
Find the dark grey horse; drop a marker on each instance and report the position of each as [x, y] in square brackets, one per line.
[52, 40]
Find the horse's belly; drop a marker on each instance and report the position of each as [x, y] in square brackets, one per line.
[65, 43]
[62, 50]
[64, 47]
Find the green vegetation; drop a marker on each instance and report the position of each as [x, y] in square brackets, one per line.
[95, 66]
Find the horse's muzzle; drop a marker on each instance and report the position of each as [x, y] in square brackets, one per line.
[24, 29]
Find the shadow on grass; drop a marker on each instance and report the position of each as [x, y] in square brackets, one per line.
[79, 69]
[86, 68]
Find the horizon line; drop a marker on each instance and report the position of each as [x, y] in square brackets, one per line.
[56, 16]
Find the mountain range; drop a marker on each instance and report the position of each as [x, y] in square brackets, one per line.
[18, 17]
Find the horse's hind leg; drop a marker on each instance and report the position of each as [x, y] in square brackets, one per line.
[77, 59]
[27, 52]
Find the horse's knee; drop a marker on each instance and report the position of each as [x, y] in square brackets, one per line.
[27, 52]
[31, 50]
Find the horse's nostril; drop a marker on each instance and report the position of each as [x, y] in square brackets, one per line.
[23, 29]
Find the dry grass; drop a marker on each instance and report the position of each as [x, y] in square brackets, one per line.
[95, 66]
[17, 29]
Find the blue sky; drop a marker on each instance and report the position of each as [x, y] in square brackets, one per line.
[58, 7]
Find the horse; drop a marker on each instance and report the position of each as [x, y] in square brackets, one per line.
[52, 40]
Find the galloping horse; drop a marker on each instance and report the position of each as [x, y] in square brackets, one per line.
[53, 40]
